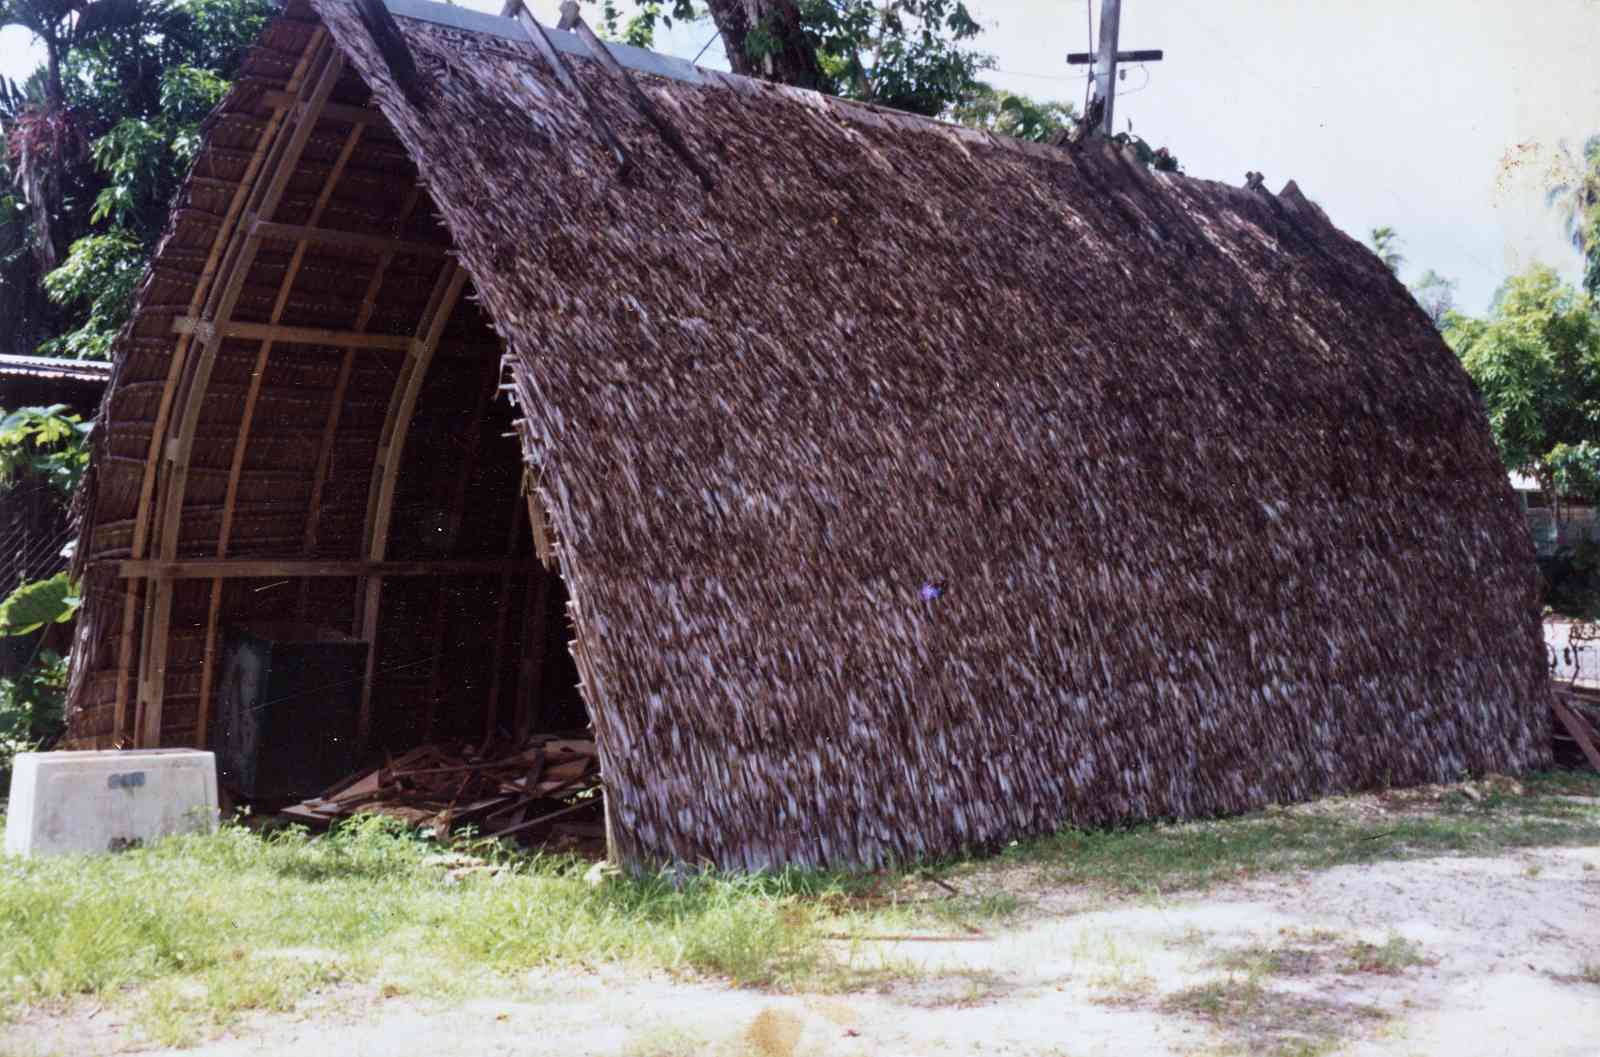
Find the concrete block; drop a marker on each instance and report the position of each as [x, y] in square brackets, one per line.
[86, 802]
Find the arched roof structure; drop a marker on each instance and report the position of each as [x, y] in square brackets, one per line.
[913, 489]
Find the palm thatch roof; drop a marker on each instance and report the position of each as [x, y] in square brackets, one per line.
[913, 489]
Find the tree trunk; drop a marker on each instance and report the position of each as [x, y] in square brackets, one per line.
[790, 59]
[41, 184]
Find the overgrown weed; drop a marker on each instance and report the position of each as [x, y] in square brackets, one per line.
[212, 926]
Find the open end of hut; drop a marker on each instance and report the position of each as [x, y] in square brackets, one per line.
[312, 442]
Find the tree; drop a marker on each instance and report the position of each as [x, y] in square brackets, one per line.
[1577, 197]
[1010, 114]
[135, 90]
[1385, 243]
[26, 314]
[46, 136]
[1436, 295]
[1536, 362]
[906, 54]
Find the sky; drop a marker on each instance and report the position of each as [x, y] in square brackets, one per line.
[1443, 119]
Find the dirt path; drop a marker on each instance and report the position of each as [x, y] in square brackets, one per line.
[1465, 957]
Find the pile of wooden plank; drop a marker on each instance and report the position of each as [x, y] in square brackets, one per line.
[1577, 728]
[529, 791]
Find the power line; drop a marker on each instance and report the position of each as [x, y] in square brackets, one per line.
[696, 60]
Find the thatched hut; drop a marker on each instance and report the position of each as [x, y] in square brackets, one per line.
[877, 487]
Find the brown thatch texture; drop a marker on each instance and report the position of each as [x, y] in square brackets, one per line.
[1218, 520]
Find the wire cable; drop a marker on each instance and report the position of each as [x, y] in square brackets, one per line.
[696, 60]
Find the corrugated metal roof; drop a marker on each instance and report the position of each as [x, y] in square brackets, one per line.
[51, 367]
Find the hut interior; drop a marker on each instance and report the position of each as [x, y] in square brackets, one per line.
[313, 439]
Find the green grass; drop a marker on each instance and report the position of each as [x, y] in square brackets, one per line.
[1269, 1022]
[1174, 857]
[1393, 956]
[195, 932]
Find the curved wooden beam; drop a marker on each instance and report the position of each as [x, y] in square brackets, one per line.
[330, 428]
[202, 291]
[386, 468]
[220, 303]
[241, 441]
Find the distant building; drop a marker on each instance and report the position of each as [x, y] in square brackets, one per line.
[1554, 523]
[35, 524]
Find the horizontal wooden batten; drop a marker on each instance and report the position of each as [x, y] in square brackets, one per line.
[354, 115]
[268, 229]
[347, 339]
[248, 568]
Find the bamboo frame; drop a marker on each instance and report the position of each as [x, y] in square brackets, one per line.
[354, 115]
[386, 467]
[330, 429]
[220, 303]
[215, 333]
[257, 568]
[242, 439]
[303, 234]
[142, 520]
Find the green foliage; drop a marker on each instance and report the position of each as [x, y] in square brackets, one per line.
[906, 54]
[34, 605]
[370, 900]
[48, 443]
[1536, 362]
[1577, 196]
[32, 706]
[1424, 822]
[1010, 114]
[1157, 158]
[1385, 243]
[100, 277]
[136, 77]
[368, 891]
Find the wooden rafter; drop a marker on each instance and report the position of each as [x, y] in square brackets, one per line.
[353, 115]
[258, 568]
[264, 196]
[1577, 728]
[386, 468]
[310, 233]
[241, 443]
[215, 333]
[330, 428]
[142, 521]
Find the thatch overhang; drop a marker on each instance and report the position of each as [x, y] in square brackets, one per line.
[1207, 514]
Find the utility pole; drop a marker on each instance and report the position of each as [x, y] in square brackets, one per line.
[1105, 59]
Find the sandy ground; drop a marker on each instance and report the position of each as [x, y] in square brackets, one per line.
[1500, 945]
